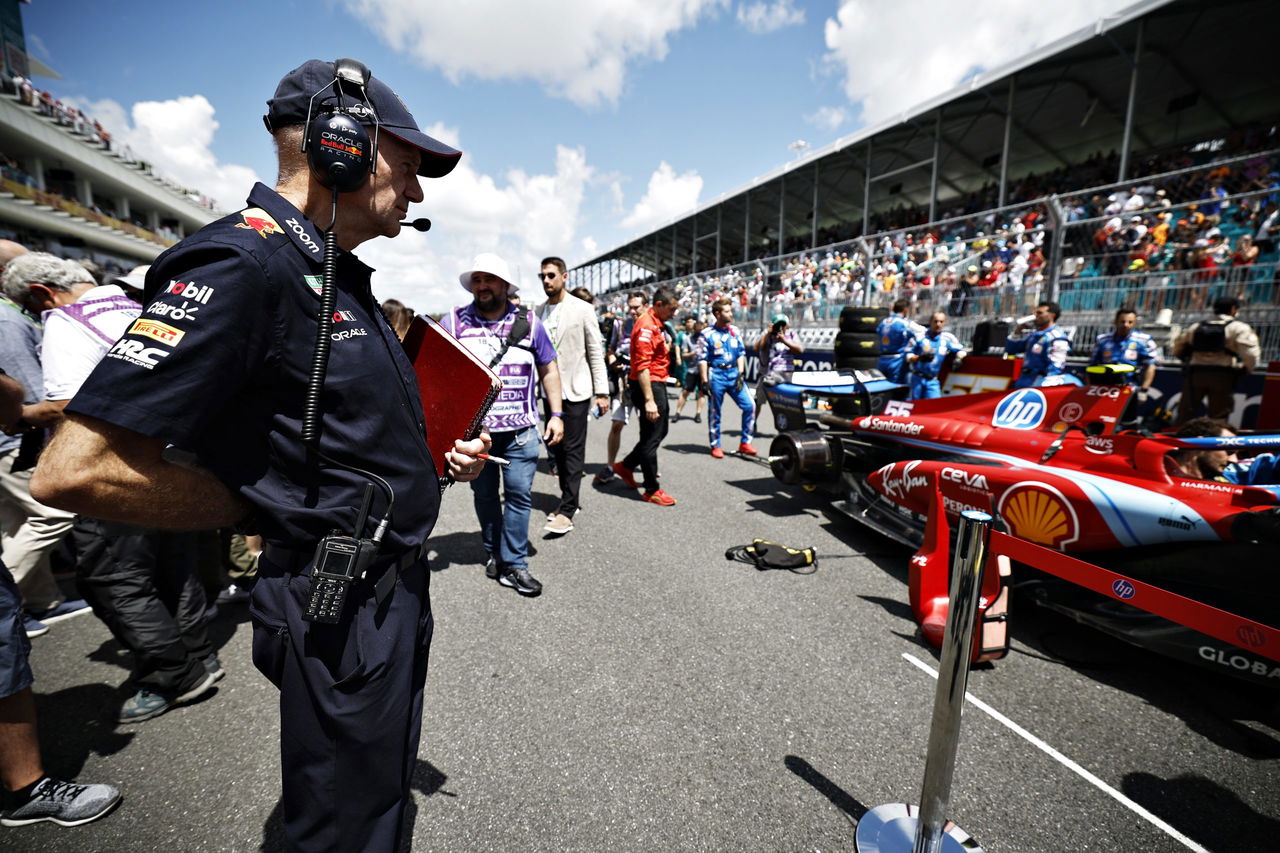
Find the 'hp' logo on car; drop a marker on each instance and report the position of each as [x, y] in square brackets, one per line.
[1123, 589]
[1023, 409]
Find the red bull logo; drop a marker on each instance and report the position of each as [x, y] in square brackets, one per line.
[257, 219]
[339, 146]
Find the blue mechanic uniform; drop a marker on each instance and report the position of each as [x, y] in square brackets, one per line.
[896, 334]
[931, 351]
[1046, 355]
[1262, 471]
[721, 347]
[217, 366]
[1136, 348]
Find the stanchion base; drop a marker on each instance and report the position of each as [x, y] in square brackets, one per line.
[891, 828]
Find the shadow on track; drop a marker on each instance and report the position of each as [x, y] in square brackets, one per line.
[1234, 715]
[72, 726]
[1176, 800]
[839, 797]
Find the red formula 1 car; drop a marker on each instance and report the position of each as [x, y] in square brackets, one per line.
[1054, 468]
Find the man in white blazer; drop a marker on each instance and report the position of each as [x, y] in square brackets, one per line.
[575, 333]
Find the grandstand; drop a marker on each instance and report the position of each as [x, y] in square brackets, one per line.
[1130, 162]
[68, 188]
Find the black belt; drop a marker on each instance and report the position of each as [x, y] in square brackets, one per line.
[292, 559]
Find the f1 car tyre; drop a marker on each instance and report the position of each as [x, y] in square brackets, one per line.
[856, 343]
[810, 456]
[857, 362]
[990, 334]
[854, 318]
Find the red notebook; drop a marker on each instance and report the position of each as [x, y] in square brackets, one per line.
[456, 387]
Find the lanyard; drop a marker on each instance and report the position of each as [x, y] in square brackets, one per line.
[9, 303]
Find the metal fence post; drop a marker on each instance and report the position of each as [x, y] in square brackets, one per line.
[892, 828]
[1058, 216]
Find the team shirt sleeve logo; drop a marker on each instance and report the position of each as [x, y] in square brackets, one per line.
[162, 332]
[257, 219]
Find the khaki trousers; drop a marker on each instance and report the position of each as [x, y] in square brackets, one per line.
[29, 531]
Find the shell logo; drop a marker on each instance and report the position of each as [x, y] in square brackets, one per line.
[1039, 513]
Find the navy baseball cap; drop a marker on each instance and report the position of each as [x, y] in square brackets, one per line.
[293, 96]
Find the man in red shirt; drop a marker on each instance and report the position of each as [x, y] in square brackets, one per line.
[650, 352]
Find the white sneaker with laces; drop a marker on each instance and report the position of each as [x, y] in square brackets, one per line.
[63, 803]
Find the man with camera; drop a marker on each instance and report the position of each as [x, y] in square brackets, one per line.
[776, 350]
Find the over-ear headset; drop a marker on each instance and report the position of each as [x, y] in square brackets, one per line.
[338, 148]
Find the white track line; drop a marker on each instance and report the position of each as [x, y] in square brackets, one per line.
[1068, 763]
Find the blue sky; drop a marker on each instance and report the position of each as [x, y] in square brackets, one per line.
[583, 122]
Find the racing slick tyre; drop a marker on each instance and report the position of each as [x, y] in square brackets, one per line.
[854, 318]
[856, 343]
[805, 457]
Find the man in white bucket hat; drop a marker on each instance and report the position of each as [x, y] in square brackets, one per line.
[512, 341]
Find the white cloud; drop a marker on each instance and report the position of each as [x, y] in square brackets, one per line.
[868, 41]
[668, 195]
[590, 247]
[522, 217]
[761, 18]
[175, 137]
[576, 49]
[828, 118]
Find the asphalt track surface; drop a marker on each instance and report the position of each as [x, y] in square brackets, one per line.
[658, 697]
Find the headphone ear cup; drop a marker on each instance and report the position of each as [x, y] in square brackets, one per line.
[339, 152]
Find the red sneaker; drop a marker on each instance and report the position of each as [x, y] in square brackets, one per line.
[628, 476]
[659, 497]
[746, 450]
[717, 453]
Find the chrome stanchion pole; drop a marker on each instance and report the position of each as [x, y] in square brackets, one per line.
[898, 827]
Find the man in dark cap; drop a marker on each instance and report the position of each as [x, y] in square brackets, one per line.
[196, 418]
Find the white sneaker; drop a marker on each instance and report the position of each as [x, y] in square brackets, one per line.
[558, 524]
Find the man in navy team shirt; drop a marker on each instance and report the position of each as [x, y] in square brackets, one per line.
[194, 419]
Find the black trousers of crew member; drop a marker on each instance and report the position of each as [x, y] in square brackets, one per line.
[645, 454]
[143, 585]
[350, 702]
[569, 453]
[1218, 384]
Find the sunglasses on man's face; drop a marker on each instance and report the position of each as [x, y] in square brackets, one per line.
[546, 275]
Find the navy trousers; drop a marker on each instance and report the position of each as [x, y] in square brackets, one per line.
[350, 703]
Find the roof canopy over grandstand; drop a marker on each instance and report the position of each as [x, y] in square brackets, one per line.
[1107, 103]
